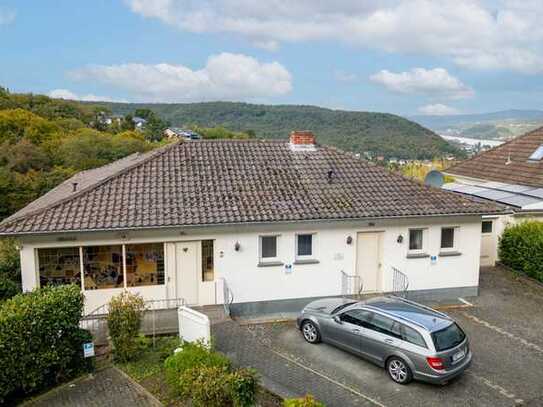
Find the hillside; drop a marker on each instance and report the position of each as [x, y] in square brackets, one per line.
[502, 125]
[380, 133]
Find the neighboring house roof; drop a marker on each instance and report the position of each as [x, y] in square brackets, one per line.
[509, 163]
[214, 182]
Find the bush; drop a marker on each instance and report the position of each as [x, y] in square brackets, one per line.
[125, 312]
[242, 387]
[190, 356]
[521, 248]
[307, 401]
[10, 261]
[41, 343]
[8, 288]
[206, 386]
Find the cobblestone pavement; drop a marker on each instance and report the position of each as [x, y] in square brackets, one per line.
[108, 387]
[504, 327]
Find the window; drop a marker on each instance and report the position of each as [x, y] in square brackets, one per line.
[486, 226]
[268, 248]
[356, 317]
[416, 239]
[144, 264]
[384, 325]
[537, 155]
[304, 246]
[448, 338]
[59, 266]
[412, 336]
[447, 238]
[208, 273]
[103, 267]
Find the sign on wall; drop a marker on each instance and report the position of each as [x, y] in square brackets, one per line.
[88, 349]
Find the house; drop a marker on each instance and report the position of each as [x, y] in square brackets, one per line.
[275, 223]
[509, 174]
[178, 133]
[139, 123]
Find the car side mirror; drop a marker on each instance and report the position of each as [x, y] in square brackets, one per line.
[337, 319]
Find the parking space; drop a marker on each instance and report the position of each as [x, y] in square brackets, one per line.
[505, 329]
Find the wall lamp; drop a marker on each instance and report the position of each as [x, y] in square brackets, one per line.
[399, 239]
[237, 246]
[349, 239]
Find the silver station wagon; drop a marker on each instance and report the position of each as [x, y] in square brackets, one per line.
[411, 341]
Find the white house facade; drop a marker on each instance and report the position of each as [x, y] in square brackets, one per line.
[276, 223]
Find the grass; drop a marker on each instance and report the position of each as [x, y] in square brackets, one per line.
[148, 370]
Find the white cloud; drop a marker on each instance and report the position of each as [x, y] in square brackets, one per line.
[435, 82]
[478, 34]
[69, 95]
[225, 77]
[437, 109]
[7, 16]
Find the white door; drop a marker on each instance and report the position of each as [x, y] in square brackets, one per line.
[187, 271]
[368, 261]
[488, 243]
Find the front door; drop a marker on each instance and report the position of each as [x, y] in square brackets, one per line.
[368, 261]
[187, 271]
[488, 243]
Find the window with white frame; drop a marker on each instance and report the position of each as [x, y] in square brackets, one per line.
[416, 240]
[305, 246]
[448, 238]
[268, 249]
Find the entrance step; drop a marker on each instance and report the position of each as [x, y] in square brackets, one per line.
[215, 313]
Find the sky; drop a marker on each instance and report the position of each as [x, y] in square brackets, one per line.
[405, 57]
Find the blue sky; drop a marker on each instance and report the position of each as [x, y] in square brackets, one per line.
[399, 56]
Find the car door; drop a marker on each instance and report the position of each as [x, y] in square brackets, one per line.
[380, 336]
[346, 330]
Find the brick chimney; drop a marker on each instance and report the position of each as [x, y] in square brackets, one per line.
[302, 140]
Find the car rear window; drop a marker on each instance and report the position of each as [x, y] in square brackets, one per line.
[448, 338]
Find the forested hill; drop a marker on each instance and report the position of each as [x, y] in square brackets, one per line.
[379, 133]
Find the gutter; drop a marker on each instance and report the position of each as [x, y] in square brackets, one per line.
[207, 225]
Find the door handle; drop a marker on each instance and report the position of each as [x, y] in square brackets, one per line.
[356, 331]
[389, 340]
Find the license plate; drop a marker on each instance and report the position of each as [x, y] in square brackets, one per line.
[458, 355]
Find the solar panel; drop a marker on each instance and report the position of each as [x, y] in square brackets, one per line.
[519, 200]
[494, 195]
[515, 188]
[538, 193]
[537, 155]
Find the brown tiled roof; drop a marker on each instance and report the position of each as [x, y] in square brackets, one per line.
[234, 181]
[507, 163]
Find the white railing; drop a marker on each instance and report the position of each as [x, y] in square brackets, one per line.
[350, 284]
[228, 297]
[400, 283]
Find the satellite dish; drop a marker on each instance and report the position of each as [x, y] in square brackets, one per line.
[434, 179]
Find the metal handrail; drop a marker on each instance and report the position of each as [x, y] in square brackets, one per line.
[400, 282]
[228, 296]
[350, 284]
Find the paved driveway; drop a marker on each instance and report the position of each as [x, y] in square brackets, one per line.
[506, 331]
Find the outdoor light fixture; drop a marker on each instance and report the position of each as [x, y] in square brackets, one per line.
[349, 239]
[399, 239]
[237, 246]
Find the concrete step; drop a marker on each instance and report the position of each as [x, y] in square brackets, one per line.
[215, 313]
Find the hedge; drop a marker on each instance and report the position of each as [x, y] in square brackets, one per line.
[521, 248]
[8, 288]
[125, 312]
[41, 343]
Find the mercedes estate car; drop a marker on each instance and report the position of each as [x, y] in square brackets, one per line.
[410, 340]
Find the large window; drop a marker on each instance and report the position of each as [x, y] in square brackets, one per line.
[416, 239]
[144, 264]
[208, 273]
[447, 238]
[59, 266]
[268, 249]
[103, 267]
[304, 246]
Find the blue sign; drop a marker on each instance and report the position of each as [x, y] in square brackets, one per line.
[88, 349]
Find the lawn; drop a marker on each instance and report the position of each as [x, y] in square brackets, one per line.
[148, 370]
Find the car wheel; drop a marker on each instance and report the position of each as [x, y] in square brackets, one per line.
[399, 371]
[311, 332]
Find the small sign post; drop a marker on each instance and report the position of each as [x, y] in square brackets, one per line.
[88, 349]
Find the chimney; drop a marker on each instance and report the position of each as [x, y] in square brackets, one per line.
[74, 186]
[302, 140]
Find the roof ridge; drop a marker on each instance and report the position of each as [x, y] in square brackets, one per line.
[153, 154]
[538, 129]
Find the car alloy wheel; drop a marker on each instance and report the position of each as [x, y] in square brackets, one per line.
[310, 332]
[399, 371]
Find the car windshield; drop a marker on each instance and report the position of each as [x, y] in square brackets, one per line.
[448, 338]
[342, 306]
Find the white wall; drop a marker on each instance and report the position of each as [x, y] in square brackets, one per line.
[249, 282]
